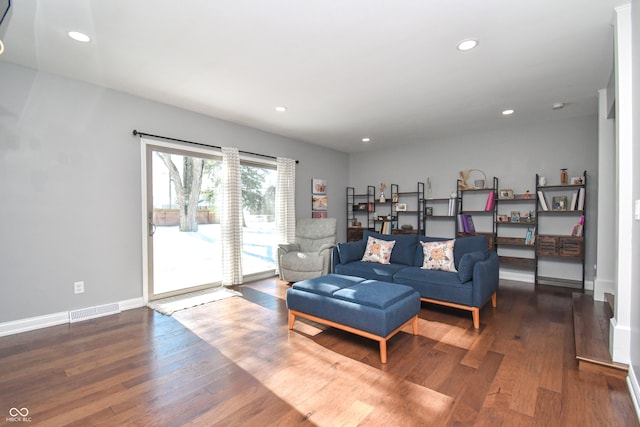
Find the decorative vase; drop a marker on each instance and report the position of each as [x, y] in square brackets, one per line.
[542, 181]
[382, 198]
[564, 176]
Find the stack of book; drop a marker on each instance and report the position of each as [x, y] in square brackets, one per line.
[452, 206]
[465, 223]
[578, 229]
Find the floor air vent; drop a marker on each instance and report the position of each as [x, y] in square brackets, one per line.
[93, 312]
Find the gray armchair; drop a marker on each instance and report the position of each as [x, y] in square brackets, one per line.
[310, 255]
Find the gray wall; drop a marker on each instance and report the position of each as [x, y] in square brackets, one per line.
[70, 186]
[514, 154]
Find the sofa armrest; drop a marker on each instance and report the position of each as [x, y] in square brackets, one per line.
[288, 247]
[486, 278]
[326, 247]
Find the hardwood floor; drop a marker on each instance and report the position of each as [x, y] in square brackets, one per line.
[234, 362]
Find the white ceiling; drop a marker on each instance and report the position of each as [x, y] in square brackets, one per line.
[345, 69]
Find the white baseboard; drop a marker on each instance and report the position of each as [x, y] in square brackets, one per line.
[634, 390]
[619, 342]
[517, 276]
[53, 319]
[530, 277]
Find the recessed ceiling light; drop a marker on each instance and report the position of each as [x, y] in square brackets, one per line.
[281, 109]
[79, 37]
[558, 105]
[467, 44]
[508, 112]
[366, 139]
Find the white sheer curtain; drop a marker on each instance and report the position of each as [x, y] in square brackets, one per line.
[286, 200]
[231, 218]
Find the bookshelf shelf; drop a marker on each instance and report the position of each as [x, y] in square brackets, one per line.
[557, 206]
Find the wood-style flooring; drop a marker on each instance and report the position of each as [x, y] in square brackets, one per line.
[235, 363]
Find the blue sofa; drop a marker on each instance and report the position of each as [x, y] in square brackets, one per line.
[474, 283]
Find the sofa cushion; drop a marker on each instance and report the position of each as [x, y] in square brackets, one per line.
[468, 244]
[418, 257]
[404, 249]
[378, 250]
[351, 251]
[438, 255]
[468, 260]
[436, 284]
[327, 285]
[368, 270]
[374, 293]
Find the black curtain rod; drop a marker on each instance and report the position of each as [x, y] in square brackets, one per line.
[168, 138]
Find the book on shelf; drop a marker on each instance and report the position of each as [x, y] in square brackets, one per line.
[465, 223]
[491, 201]
[530, 238]
[580, 206]
[543, 201]
[470, 227]
[574, 200]
[578, 229]
[452, 207]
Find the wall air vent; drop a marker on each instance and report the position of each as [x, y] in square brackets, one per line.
[93, 312]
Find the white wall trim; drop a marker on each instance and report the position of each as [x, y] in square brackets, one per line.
[634, 390]
[620, 342]
[54, 319]
[602, 287]
[517, 276]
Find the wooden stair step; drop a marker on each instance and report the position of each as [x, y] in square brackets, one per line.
[591, 330]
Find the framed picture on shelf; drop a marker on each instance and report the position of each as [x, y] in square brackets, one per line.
[577, 180]
[362, 207]
[319, 203]
[319, 186]
[505, 194]
[428, 211]
[559, 203]
[401, 207]
[319, 214]
[503, 218]
[515, 216]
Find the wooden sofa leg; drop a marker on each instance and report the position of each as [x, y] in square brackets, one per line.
[494, 299]
[414, 324]
[292, 318]
[475, 312]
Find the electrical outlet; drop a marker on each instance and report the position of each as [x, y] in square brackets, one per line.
[78, 287]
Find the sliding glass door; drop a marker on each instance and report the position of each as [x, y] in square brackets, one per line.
[184, 237]
[183, 212]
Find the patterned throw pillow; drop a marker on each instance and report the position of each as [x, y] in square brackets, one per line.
[438, 255]
[378, 250]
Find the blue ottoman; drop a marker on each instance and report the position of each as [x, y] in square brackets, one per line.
[370, 308]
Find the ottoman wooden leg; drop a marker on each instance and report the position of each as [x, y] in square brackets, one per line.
[383, 351]
[414, 323]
